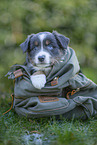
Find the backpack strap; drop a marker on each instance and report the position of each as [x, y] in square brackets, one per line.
[18, 73]
[12, 95]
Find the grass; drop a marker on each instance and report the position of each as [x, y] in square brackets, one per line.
[15, 130]
[91, 73]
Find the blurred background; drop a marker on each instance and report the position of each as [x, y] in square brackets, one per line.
[74, 19]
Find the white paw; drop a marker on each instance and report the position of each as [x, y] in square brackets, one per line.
[38, 81]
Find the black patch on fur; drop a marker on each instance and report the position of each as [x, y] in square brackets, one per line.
[25, 45]
[61, 39]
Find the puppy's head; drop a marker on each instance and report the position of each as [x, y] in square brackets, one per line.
[45, 48]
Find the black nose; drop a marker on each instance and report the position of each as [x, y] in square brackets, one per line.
[41, 58]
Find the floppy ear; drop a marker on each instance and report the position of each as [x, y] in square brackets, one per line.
[25, 45]
[61, 39]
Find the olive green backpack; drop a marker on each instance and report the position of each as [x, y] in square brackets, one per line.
[67, 91]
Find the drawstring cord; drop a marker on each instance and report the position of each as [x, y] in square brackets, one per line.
[12, 95]
[71, 93]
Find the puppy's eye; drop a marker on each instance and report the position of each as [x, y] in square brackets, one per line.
[36, 43]
[47, 42]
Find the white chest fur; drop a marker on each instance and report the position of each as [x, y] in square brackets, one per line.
[38, 80]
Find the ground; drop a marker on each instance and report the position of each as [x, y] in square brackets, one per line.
[44, 131]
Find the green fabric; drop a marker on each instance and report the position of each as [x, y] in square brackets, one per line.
[82, 104]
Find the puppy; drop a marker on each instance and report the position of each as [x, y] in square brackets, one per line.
[43, 50]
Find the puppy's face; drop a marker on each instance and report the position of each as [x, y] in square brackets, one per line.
[45, 48]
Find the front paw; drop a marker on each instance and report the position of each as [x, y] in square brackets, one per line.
[38, 81]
